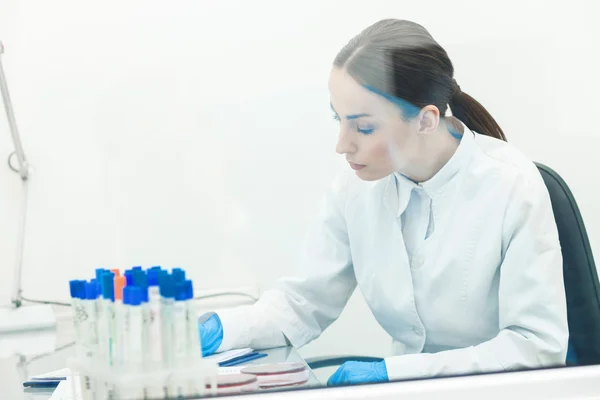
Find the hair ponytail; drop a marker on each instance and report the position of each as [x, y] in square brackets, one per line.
[474, 115]
[400, 60]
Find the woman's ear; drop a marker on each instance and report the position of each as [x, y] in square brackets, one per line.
[429, 119]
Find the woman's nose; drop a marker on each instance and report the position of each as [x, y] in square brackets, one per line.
[344, 144]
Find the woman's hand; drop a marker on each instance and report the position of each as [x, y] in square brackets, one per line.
[211, 333]
[352, 372]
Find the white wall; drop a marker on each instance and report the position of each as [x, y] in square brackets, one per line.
[10, 195]
[198, 134]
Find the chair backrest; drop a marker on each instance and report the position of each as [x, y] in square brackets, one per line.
[581, 279]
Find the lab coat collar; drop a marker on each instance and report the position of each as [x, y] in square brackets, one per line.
[459, 161]
[400, 187]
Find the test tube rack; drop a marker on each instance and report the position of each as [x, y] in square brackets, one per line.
[152, 381]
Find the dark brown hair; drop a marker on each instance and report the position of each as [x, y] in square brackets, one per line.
[401, 61]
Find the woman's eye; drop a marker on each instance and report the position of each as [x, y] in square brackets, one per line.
[365, 130]
[336, 117]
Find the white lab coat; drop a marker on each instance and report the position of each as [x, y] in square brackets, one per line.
[482, 291]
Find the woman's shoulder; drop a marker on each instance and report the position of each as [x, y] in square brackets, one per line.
[507, 162]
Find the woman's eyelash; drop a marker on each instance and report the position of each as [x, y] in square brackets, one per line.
[365, 131]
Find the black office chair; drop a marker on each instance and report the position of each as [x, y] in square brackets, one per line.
[581, 280]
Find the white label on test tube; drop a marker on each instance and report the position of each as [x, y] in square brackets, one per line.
[89, 329]
[134, 342]
[145, 328]
[133, 334]
[110, 312]
[180, 343]
[79, 317]
[91, 338]
[154, 331]
[193, 338]
[166, 333]
[180, 330]
[166, 317]
[192, 328]
[104, 330]
[119, 340]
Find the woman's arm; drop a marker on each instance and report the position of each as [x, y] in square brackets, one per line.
[532, 304]
[301, 307]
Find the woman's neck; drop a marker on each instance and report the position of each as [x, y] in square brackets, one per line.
[438, 149]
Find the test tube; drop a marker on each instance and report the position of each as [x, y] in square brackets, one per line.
[193, 335]
[90, 336]
[154, 323]
[133, 326]
[140, 279]
[107, 327]
[133, 329]
[90, 332]
[180, 329]
[145, 319]
[167, 300]
[119, 340]
[77, 291]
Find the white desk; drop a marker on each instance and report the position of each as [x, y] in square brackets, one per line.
[562, 383]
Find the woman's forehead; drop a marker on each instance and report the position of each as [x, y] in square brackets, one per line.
[348, 97]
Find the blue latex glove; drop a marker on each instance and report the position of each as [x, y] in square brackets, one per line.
[352, 372]
[211, 333]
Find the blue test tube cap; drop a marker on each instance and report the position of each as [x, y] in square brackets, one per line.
[129, 276]
[152, 277]
[91, 290]
[126, 294]
[189, 289]
[161, 275]
[82, 290]
[139, 278]
[77, 288]
[167, 286]
[132, 295]
[100, 272]
[180, 292]
[137, 268]
[144, 294]
[73, 288]
[108, 287]
[98, 284]
[178, 274]
[136, 277]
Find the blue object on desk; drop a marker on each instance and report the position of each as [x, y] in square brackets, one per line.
[242, 359]
[211, 333]
[43, 383]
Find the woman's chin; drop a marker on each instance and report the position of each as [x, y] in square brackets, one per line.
[368, 175]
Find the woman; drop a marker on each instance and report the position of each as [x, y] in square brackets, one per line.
[447, 229]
